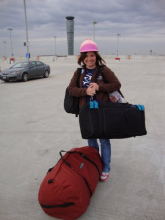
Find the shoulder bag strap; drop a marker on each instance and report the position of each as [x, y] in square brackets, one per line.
[78, 76]
[97, 73]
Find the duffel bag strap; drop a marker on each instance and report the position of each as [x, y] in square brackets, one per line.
[68, 164]
[82, 155]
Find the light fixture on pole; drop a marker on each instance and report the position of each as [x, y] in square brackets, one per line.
[117, 52]
[10, 29]
[55, 45]
[5, 47]
[27, 43]
[94, 23]
[117, 44]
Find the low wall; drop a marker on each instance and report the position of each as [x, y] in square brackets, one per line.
[53, 58]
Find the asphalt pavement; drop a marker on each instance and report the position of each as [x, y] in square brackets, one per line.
[34, 127]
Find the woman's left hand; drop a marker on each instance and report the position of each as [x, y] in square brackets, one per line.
[94, 85]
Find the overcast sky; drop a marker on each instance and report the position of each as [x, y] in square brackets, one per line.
[141, 24]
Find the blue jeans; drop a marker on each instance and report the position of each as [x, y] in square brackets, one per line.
[105, 151]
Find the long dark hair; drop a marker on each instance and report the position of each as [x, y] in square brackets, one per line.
[99, 59]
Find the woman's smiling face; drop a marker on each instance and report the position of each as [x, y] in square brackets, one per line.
[90, 60]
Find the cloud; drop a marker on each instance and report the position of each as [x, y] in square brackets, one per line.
[136, 21]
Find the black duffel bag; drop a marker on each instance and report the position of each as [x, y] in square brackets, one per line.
[111, 120]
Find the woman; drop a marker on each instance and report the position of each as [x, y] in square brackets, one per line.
[90, 60]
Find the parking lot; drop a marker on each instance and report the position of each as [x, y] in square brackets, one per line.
[34, 127]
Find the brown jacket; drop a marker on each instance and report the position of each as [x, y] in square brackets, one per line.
[112, 85]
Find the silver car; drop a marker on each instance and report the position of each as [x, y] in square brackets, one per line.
[22, 71]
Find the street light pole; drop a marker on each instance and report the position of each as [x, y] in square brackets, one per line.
[5, 47]
[55, 45]
[10, 29]
[94, 23]
[27, 43]
[117, 43]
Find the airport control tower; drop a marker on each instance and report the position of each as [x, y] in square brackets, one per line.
[70, 34]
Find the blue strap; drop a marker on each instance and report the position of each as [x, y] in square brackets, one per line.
[140, 107]
[93, 104]
[96, 104]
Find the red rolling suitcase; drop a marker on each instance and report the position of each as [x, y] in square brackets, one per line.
[66, 189]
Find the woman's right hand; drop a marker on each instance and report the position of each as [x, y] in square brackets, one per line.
[90, 91]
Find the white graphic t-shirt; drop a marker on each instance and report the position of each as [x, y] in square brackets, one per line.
[87, 80]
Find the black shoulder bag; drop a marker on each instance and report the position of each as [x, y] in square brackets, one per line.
[71, 103]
